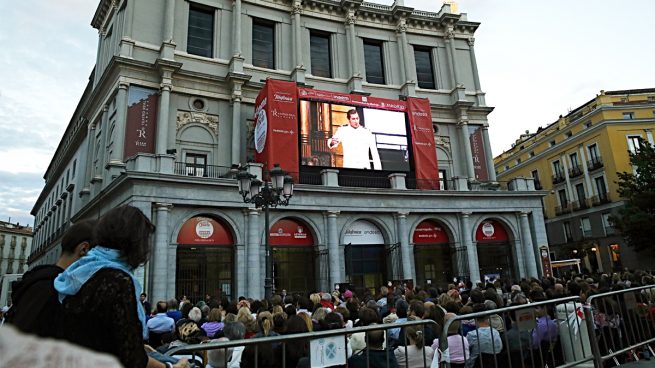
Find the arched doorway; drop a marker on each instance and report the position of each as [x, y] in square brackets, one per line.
[292, 246]
[205, 259]
[432, 257]
[366, 256]
[494, 251]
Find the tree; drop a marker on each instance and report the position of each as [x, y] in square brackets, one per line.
[636, 220]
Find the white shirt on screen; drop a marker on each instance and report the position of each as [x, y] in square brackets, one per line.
[356, 143]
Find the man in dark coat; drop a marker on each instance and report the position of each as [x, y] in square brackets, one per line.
[36, 306]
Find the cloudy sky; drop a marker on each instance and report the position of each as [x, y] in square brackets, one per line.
[536, 59]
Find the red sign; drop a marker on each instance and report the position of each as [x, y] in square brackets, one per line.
[352, 100]
[491, 231]
[290, 232]
[425, 152]
[276, 126]
[141, 123]
[545, 261]
[430, 232]
[479, 158]
[204, 231]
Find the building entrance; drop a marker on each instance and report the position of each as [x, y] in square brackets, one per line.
[204, 260]
[367, 261]
[294, 266]
[495, 258]
[432, 256]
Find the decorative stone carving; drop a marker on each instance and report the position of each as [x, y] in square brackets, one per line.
[442, 141]
[402, 26]
[351, 18]
[296, 8]
[471, 41]
[450, 34]
[187, 117]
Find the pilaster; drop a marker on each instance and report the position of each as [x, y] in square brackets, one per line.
[333, 248]
[160, 284]
[528, 248]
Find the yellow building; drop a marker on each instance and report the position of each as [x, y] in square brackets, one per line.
[575, 161]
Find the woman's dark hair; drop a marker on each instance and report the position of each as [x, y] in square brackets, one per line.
[299, 348]
[367, 316]
[128, 230]
[264, 359]
[186, 308]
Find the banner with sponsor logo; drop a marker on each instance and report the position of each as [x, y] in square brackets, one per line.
[290, 232]
[276, 126]
[141, 123]
[352, 100]
[477, 151]
[430, 232]
[363, 232]
[491, 231]
[425, 152]
[545, 261]
[202, 230]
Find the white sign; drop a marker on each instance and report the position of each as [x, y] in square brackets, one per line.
[327, 352]
[204, 229]
[363, 232]
[260, 131]
[488, 229]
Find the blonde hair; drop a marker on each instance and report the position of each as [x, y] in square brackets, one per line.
[277, 309]
[265, 322]
[214, 315]
[308, 321]
[319, 314]
[315, 298]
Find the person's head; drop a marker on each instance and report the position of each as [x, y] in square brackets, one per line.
[172, 304]
[416, 308]
[219, 358]
[127, 230]
[265, 322]
[195, 314]
[76, 242]
[162, 306]
[309, 326]
[375, 339]
[353, 118]
[415, 336]
[143, 297]
[234, 330]
[401, 308]
[319, 314]
[260, 355]
[296, 324]
[214, 315]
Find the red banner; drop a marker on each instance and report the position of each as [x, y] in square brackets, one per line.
[479, 158]
[291, 232]
[430, 232]
[491, 231]
[352, 100]
[545, 261]
[204, 231]
[425, 152]
[276, 126]
[141, 123]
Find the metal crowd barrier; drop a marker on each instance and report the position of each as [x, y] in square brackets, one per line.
[322, 339]
[621, 325]
[549, 333]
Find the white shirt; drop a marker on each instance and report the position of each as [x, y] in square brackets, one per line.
[356, 143]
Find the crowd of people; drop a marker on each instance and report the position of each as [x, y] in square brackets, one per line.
[91, 298]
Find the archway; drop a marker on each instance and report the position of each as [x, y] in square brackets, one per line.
[432, 256]
[205, 259]
[495, 258]
[365, 256]
[294, 258]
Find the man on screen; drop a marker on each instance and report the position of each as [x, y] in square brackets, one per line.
[357, 142]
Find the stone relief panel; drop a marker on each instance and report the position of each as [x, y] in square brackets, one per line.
[187, 117]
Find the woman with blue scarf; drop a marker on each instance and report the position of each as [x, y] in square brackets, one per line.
[100, 295]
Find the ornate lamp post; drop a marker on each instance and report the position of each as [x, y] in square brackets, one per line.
[265, 195]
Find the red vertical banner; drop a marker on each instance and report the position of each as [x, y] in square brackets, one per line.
[141, 123]
[545, 261]
[478, 153]
[276, 126]
[425, 153]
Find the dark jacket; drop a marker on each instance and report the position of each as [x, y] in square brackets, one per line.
[36, 308]
[376, 359]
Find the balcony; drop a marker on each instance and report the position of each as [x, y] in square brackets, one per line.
[580, 204]
[594, 164]
[560, 210]
[575, 171]
[558, 178]
[204, 171]
[600, 199]
[537, 184]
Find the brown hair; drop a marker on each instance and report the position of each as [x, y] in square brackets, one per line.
[214, 315]
[265, 322]
[128, 230]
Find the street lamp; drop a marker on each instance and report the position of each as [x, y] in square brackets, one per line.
[265, 195]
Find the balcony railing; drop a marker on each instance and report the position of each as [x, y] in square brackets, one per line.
[363, 181]
[575, 171]
[600, 199]
[558, 178]
[560, 210]
[204, 171]
[594, 163]
[581, 204]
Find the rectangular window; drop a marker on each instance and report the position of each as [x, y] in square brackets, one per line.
[552, 143]
[424, 67]
[557, 168]
[601, 189]
[609, 229]
[587, 125]
[443, 183]
[628, 115]
[200, 35]
[531, 153]
[582, 196]
[634, 143]
[567, 231]
[585, 224]
[263, 44]
[537, 182]
[319, 44]
[374, 62]
[196, 164]
[593, 153]
[74, 167]
[563, 200]
[574, 159]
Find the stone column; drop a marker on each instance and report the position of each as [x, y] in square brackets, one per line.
[403, 237]
[252, 253]
[466, 146]
[236, 124]
[355, 83]
[299, 70]
[474, 65]
[236, 28]
[333, 248]
[163, 117]
[528, 249]
[488, 153]
[406, 62]
[159, 266]
[450, 55]
[471, 249]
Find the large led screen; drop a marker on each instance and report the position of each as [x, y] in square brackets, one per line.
[342, 136]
